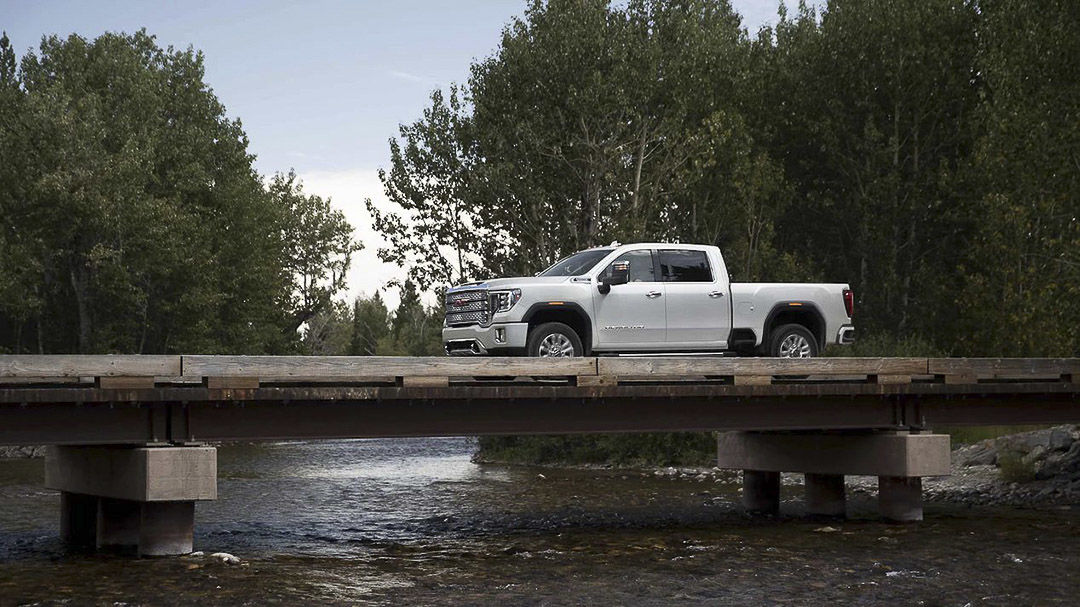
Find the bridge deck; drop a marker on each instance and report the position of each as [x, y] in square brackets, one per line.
[180, 399]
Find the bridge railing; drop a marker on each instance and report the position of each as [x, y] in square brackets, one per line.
[146, 371]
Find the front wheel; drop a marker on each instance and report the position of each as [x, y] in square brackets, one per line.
[793, 341]
[553, 340]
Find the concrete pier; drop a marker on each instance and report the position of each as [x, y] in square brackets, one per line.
[78, 519]
[825, 495]
[761, 492]
[132, 499]
[898, 459]
[900, 498]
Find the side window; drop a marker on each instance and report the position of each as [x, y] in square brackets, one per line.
[641, 265]
[685, 266]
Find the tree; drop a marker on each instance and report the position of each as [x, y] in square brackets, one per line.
[1021, 263]
[318, 248]
[131, 218]
[435, 234]
[414, 329]
[370, 324]
[328, 331]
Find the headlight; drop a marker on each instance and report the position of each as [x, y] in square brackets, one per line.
[502, 301]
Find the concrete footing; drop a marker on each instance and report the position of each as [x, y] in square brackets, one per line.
[898, 459]
[131, 499]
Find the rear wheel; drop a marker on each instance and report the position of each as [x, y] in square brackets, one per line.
[793, 341]
[553, 340]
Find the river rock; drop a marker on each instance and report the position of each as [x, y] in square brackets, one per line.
[226, 558]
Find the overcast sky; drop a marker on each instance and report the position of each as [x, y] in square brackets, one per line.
[319, 85]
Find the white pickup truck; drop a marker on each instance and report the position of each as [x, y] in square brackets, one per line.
[640, 298]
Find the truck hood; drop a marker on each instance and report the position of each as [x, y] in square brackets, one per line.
[519, 282]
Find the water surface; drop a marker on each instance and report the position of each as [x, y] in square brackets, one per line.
[390, 521]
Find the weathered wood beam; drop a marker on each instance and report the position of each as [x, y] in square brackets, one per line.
[1004, 367]
[84, 365]
[698, 365]
[345, 367]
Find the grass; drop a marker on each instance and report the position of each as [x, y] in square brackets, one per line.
[1014, 469]
[967, 436]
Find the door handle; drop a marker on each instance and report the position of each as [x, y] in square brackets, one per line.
[653, 294]
[716, 294]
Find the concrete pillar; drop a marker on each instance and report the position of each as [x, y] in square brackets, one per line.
[142, 498]
[166, 528]
[900, 498]
[118, 523]
[78, 519]
[825, 495]
[761, 491]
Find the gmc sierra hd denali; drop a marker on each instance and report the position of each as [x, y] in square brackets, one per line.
[640, 298]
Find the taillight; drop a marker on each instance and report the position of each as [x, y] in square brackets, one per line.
[849, 302]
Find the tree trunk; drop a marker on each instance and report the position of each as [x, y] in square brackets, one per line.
[79, 282]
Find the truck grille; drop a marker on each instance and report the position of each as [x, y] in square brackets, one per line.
[467, 308]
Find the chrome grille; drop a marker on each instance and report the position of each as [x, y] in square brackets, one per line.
[467, 308]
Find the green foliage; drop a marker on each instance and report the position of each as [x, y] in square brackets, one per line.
[973, 434]
[370, 323]
[1021, 294]
[414, 329]
[131, 218]
[885, 344]
[1014, 468]
[924, 151]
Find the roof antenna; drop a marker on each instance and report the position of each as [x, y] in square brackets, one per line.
[615, 243]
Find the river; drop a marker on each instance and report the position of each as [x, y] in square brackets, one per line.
[414, 521]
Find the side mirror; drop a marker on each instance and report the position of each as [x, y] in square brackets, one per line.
[619, 275]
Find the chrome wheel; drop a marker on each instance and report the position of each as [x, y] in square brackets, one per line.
[556, 345]
[795, 346]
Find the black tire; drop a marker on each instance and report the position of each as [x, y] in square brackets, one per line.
[549, 329]
[781, 334]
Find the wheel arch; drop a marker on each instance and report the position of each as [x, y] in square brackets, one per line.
[803, 313]
[566, 312]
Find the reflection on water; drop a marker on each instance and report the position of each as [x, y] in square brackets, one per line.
[389, 521]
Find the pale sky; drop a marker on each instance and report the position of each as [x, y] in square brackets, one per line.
[320, 85]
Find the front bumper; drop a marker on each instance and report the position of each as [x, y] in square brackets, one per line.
[499, 338]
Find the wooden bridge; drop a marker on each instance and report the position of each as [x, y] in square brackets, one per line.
[89, 400]
[129, 431]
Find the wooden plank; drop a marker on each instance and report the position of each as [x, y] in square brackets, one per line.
[699, 365]
[124, 383]
[315, 379]
[347, 367]
[26, 381]
[597, 380]
[959, 379]
[891, 379]
[425, 382]
[231, 383]
[753, 380]
[77, 365]
[1017, 367]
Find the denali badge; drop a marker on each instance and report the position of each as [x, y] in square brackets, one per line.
[623, 327]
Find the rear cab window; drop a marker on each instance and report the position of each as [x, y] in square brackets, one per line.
[684, 265]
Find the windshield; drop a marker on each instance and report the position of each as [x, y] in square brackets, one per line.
[577, 264]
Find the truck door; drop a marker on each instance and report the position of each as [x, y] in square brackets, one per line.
[633, 315]
[698, 310]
